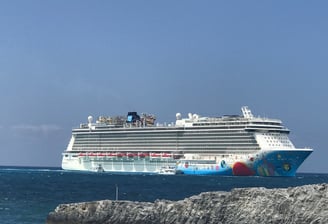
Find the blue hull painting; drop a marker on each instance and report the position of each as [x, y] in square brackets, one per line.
[264, 163]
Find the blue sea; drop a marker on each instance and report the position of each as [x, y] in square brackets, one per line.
[28, 194]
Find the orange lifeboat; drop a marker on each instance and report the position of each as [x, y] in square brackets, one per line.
[143, 154]
[166, 155]
[131, 155]
[111, 154]
[119, 154]
[155, 154]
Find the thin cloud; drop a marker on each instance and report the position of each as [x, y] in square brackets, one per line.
[43, 128]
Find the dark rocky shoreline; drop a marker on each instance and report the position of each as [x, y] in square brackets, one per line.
[304, 204]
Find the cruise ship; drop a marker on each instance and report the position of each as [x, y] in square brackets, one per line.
[240, 145]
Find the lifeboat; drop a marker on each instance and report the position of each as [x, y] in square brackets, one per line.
[121, 154]
[166, 155]
[143, 155]
[130, 155]
[111, 154]
[155, 155]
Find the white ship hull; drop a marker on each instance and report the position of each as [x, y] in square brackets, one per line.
[123, 165]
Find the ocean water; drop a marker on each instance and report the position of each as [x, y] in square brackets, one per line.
[28, 194]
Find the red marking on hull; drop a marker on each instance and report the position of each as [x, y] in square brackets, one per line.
[240, 169]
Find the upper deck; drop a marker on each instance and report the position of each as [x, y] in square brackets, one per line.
[133, 121]
[192, 134]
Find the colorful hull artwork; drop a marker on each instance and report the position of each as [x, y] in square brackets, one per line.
[265, 163]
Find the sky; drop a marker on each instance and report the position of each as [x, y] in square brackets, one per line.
[61, 61]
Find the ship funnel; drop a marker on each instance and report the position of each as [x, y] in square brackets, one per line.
[247, 112]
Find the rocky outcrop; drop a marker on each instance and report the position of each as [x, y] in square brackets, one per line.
[304, 204]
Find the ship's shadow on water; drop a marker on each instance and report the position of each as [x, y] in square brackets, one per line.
[29, 194]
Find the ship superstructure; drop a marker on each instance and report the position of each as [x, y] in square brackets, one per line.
[194, 145]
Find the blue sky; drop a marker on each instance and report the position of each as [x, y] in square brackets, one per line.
[61, 61]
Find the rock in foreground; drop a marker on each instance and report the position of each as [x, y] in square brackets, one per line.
[305, 204]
